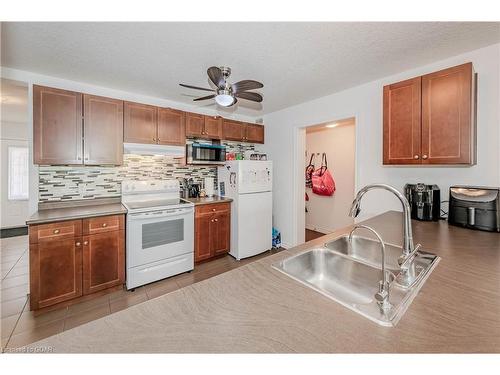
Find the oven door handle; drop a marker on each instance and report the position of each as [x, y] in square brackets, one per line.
[159, 214]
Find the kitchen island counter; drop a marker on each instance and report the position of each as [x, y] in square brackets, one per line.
[256, 308]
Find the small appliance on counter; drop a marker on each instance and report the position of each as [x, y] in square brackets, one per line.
[425, 201]
[205, 153]
[475, 207]
[209, 186]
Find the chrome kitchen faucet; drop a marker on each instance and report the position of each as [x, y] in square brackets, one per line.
[407, 276]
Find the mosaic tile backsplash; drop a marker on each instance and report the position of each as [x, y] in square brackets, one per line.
[63, 183]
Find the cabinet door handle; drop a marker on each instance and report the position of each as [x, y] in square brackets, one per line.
[416, 157]
[78, 244]
[213, 209]
[104, 225]
[216, 220]
[56, 231]
[85, 242]
[78, 158]
[157, 139]
[424, 157]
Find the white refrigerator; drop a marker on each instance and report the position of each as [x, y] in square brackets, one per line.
[249, 183]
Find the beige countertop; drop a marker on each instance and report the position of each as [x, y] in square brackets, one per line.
[78, 212]
[209, 200]
[255, 308]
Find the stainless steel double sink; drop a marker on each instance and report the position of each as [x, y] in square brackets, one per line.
[349, 273]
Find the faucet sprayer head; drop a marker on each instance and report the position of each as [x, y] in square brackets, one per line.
[355, 208]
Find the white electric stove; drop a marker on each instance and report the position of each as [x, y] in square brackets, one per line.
[160, 231]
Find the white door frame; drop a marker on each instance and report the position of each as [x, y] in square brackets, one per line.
[299, 190]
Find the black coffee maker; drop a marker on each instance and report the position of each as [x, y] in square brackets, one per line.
[425, 201]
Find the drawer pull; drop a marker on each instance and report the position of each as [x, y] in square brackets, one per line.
[56, 231]
[85, 242]
[104, 225]
[213, 209]
[78, 244]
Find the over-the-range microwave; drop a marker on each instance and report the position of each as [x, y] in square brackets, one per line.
[205, 153]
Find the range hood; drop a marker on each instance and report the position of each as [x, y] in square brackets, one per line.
[145, 149]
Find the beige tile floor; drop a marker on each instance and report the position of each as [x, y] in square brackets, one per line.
[20, 326]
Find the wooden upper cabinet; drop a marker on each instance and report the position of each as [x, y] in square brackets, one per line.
[140, 123]
[254, 133]
[171, 127]
[431, 119]
[103, 130]
[448, 116]
[213, 127]
[195, 124]
[57, 126]
[233, 130]
[402, 125]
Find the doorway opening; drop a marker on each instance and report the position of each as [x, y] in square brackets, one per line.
[329, 151]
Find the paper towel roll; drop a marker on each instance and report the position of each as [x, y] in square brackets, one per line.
[209, 186]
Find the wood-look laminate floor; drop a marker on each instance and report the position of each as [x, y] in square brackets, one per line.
[20, 326]
[312, 235]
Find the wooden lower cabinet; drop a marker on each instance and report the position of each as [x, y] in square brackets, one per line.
[55, 271]
[103, 261]
[65, 265]
[220, 230]
[203, 244]
[212, 231]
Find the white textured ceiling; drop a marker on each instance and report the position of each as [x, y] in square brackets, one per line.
[296, 62]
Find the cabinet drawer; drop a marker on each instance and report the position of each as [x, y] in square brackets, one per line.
[55, 231]
[103, 224]
[212, 208]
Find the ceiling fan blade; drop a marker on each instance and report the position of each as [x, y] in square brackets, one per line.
[245, 85]
[195, 87]
[204, 97]
[253, 96]
[215, 75]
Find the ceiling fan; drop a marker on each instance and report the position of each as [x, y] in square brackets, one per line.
[225, 93]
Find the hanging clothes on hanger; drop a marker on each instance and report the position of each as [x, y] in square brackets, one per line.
[322, 181]
[309, 172]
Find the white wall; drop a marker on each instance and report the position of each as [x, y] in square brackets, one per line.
[32, 78]
[325, 214]
[13, 133]
[364, 102]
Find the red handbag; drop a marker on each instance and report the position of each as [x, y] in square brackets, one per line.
[322, 180]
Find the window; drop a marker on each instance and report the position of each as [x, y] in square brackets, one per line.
[18, 173]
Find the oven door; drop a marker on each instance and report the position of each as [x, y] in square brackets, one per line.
[157, 235]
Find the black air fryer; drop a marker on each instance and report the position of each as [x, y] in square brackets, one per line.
[425, 201]
[475, 207]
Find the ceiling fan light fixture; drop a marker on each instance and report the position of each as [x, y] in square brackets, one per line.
[224, 98]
